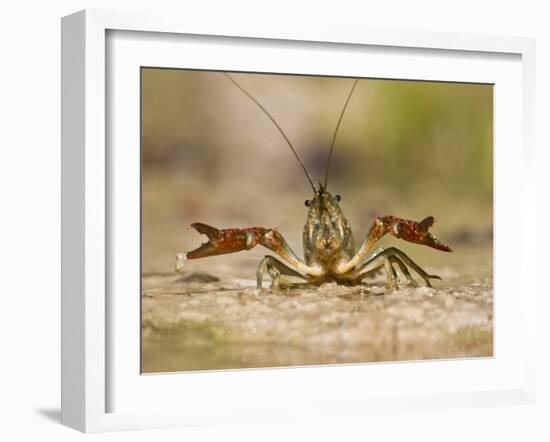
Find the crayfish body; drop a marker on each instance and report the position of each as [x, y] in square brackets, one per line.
[329, 248]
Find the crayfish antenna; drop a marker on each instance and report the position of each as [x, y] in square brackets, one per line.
[336, 130]
[279, 128]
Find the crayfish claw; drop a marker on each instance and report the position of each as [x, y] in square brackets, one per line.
[205, 249]
[436, 244]
[412, 231]
[425, 224]
[211, 232]
[222, 241]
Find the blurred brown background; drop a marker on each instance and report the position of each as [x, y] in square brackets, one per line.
[406, 148]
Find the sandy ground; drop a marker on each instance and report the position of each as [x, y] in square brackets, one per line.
[214, 320]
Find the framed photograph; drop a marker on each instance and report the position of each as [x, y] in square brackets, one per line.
[265, 223]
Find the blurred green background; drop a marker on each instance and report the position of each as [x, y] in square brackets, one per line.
[405, 148]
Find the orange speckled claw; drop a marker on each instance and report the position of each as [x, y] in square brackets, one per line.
[222, 241]
[412, 231]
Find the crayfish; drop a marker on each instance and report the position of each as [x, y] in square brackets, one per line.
[329, 249]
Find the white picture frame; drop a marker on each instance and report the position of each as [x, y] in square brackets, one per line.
[87, 210]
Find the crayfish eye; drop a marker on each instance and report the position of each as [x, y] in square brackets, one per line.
[307, 203]
[338, 198]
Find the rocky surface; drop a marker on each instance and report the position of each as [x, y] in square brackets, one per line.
[198, 321]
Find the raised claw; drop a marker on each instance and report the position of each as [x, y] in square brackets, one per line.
[222, 241]
[412, 231]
